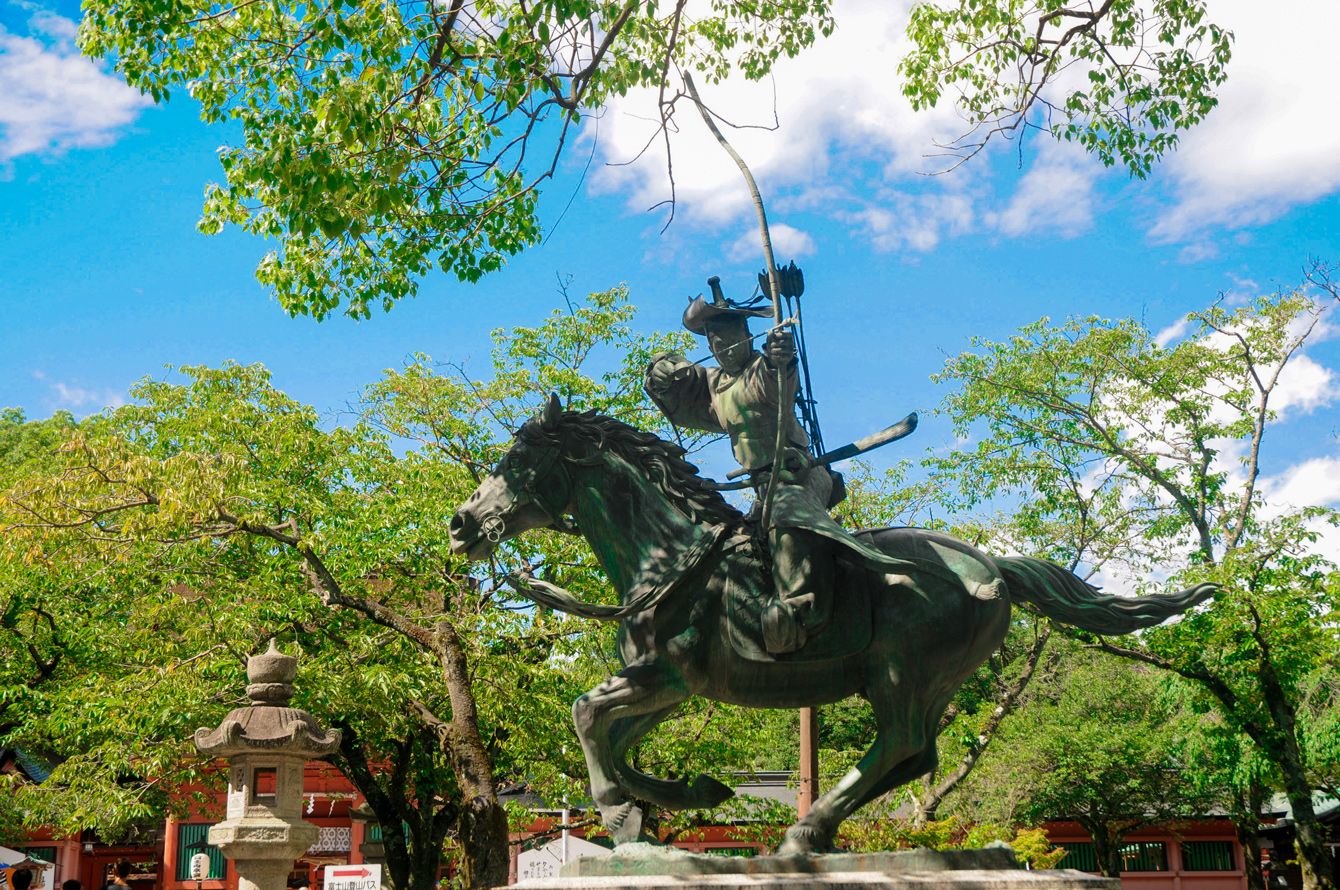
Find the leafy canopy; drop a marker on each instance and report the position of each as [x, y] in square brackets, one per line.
[1118, 450]
[146, 551]
[383, 141]
[1120, 77]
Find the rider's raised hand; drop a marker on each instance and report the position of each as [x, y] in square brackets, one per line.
[781, 347]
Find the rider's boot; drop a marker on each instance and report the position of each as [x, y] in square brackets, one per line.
[804, 600]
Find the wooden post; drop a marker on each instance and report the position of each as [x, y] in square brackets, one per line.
[809, 761]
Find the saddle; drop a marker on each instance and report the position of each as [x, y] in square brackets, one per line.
[748, 590]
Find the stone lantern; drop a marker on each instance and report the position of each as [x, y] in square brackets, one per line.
[266, 745]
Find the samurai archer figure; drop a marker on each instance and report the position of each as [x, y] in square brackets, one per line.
[740, 398]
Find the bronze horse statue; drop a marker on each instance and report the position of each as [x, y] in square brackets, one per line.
[689, 578]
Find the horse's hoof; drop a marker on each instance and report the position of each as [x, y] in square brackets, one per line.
[709, 791]
[804, 840]
[624, 823]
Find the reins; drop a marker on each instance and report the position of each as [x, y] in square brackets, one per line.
[643, 596]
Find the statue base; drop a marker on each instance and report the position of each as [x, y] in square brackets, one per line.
[650, 867]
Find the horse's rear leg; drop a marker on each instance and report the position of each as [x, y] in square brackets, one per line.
[638, 689]
[900, 742]
[919, 764]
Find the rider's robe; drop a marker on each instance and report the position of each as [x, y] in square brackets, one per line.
[744, 407]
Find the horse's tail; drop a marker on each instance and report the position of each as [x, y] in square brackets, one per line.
[1064, 596]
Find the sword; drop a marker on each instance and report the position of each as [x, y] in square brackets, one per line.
[889, 434]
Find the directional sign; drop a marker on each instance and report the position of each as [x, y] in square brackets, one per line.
[353, 877]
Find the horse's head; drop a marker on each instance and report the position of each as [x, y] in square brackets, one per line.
[527, 490]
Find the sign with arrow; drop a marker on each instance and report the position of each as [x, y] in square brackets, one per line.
[353, 877]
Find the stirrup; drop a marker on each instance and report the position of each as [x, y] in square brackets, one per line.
[782, 630]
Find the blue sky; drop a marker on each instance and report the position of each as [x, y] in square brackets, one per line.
[103, 279]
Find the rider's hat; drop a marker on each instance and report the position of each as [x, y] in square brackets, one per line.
[700, 313]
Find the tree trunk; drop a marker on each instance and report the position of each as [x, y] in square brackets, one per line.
[388, 810]
[1310, 837]
[1247, 820]
[425, 860]
[1106, 846]
[1310, 841]
[483, 827]
[486, 858]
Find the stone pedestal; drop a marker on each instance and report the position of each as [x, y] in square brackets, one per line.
[262, 847]
[647, 867]
[1060, 879]
[262, 874]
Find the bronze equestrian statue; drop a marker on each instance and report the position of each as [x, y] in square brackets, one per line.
[694, 580]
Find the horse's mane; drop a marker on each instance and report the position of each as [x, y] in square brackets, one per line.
[582, 433]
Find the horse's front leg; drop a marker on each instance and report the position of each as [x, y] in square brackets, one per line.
[638, 689]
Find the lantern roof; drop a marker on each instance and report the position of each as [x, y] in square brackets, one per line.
[268, 724]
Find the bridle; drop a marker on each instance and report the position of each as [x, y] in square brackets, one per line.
[521, 491]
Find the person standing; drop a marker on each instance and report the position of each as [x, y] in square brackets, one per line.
[116, 876]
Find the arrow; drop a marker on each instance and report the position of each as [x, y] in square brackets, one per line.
[352, 873]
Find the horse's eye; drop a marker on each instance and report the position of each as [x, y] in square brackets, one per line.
[507, 466]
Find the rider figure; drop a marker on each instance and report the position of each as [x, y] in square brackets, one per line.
[740, 398]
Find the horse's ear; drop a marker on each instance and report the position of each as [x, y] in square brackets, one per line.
[552, 411]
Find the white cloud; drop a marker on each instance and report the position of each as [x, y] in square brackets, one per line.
[1055, 195]
[1175, 331]
[1328, 540]
[840, 108]
[1270, 144]
[911, 221]
[1304, 385]
[57, 27]
[788, 243]
[1313, 483]
[1197, 251]
[53, 99]
[76, 397]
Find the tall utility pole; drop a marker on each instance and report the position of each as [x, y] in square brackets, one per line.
[809, 761]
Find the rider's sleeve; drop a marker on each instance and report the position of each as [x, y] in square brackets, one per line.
[762, 380]
[686, 400]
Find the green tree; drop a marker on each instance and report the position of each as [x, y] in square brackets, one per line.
[383, 141]
[1151, 455]
[1098, 742]
[35, 650]
[179, 533]
[1120, 77]
[34, 647]
[1227, 768]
